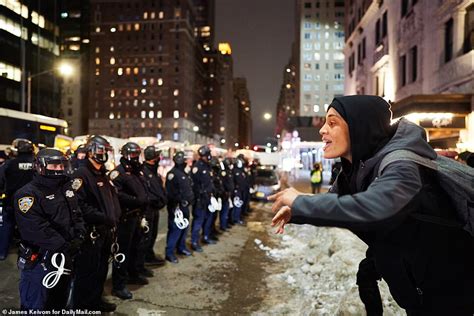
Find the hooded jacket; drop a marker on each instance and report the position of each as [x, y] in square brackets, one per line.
[427, 266]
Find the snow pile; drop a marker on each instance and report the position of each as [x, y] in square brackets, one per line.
[322, 265]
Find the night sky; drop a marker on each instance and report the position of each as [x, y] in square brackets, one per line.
[260, 33]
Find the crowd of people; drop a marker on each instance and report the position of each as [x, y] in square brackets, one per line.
[71, 217]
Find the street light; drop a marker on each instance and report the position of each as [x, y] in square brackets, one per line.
[64, 70]
[267, 116]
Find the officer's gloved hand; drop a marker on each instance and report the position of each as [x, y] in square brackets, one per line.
[72, 247]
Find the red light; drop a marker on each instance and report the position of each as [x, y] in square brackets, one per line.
[255, 148]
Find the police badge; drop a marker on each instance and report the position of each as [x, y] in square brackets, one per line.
[114, 174]
[76, 184]
[25, 203]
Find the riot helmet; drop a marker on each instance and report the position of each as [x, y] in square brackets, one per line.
[99, 149]
[239, 163]
[51, 163]
[22, 146]
[179, 158]
[214, 163]
[131, 153]
[204, 152]
[81, 152]
[151, 153]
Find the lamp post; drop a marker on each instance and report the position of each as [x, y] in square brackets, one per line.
[64, 70]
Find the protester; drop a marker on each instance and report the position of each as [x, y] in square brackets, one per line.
[427, 266]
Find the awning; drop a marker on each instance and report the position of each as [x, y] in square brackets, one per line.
[458, 104]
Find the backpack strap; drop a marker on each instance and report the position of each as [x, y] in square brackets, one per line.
[406, 155]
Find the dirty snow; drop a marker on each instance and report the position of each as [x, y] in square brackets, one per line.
[321, 271]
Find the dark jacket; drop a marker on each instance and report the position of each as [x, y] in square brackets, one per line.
[16, 173]
[202, 183]
[426, 266]
[179, 189]
[48, 214]
[98, 199]
[131, 188]
[156, 191]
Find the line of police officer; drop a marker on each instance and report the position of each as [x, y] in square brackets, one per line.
[72, 227]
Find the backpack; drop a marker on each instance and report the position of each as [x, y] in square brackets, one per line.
[456, 179]
[316, 177]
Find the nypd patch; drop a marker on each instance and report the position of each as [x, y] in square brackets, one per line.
[170, 176]
[114, 174]
[25, 203]
[195, 169]
[76, 184]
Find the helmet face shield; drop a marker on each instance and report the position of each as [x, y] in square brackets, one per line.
[100, 152]
[52, 166]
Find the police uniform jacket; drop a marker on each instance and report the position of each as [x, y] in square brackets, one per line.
[228, 181]
[240, 181]
[97, 197]
[16, 173]
[131, 188]
[202, 180]
[48, 214]
[156, 191]
[179, 189]
[218, 182]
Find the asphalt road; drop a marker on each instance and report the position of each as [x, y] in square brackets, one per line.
[227, 278]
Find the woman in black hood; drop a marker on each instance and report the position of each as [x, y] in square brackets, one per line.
[427, 266]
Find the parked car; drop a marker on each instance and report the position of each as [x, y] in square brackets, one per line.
[266, 183]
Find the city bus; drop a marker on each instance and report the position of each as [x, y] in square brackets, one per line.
[40, 129]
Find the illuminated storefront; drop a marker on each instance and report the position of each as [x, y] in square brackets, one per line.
[447, 118]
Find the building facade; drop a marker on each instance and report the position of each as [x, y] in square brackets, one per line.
[287, 105]
[74, 23]
[418, 55]
[320, 62]
[244, 108]
[148, 75]
[29, 37]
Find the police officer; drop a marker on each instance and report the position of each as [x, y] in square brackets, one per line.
[16, 173]
[132, 193]
[179, 189]
[240, 181]
[79, 157]
[203, 191]
[52, 231]
[219, 192]
[100, 207]
[229, 187]
[158, 200]
[247, 185]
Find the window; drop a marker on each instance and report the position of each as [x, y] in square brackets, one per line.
[351, 63]
[414, 61]
[359, 53]
[378, 38]
[384, 24]
[338, 65]
[363, 48]
[403, 65]
[448, 40]
[307, 5]
[307, 35]
[469, 30]
[404, 7]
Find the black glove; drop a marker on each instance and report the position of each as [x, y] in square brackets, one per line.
[72, 247]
